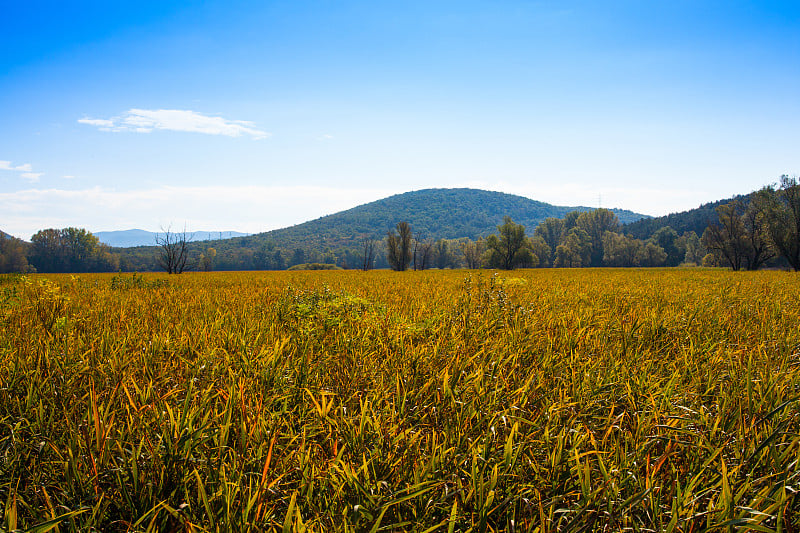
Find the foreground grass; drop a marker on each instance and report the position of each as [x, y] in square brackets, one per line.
[539, 400]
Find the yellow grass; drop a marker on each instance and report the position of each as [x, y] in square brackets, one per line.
[541, 400]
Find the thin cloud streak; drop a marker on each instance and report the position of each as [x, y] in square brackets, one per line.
[32, 177]
[147, 120]
[6, 165]
[26, 171]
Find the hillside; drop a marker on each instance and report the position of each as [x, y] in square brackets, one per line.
[432, 213]
[696, 220]
[139, 237]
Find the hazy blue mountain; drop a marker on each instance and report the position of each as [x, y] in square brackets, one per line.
[139, 237]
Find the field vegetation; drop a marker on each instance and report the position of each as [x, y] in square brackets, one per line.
[535, 400]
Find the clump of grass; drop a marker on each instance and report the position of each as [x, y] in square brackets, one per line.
[136, 281]
[659, 400]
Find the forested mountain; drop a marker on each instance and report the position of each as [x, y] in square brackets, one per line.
[696, 220]
[435, 213]
[337, 238]
[139, 237]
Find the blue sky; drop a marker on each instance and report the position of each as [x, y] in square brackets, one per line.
[256, 115]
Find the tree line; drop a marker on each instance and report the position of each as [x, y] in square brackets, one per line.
[748, 235]
[580, 239]
[751, 232]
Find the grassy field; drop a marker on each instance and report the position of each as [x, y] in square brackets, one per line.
[542, 400]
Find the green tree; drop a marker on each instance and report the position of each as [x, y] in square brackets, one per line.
[575, 251]
[541, 250]
[728, 239]
[781, 211]
[510, 248]
[621, 250]
[207, 259]
[758, 248]
[595, 223]
[398, 247]
[12, 255]
[442, 254]
[473, 252]
[667, 238]
[70, 250]
[651, 255]
[695, 251]
[551, 230]
[571, 220]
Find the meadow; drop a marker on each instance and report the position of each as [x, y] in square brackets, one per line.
[535, 400]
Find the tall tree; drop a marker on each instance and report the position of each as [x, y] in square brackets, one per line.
[423, 252]
[651, 255]
[173, 252]
[541, 250]
[781, 212]
[595, 223]
[740, 237]
[575, 251]
[207, 259]
[442, 254]
[758, 249]
[695, 251]
[509, 249]
[473, 252]
[367, 253]
[621, 250]
[398, 246]
[551, 230]
[667, 238]
[12, 254]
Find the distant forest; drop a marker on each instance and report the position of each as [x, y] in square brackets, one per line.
[456, 228]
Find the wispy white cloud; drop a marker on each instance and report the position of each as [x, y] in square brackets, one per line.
[68, 177]
[147, 120]
[6, 165]
[101, 123]
[26, 171]
[33, 177]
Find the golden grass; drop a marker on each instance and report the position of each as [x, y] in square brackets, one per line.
[542, 400]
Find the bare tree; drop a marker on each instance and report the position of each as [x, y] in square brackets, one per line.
[423, 252]
[368, 255]
[173, 255]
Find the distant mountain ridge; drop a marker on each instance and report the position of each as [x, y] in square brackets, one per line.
[696, 220]
[139, 237]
